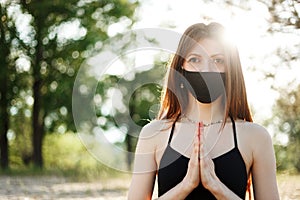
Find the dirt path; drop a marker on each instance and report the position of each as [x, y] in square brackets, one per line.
[28, 188]
[289, 187]
[43, 187]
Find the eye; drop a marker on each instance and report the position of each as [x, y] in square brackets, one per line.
[194, 60]
[219, 61]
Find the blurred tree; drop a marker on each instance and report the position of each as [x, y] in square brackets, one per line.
[5, 43]
[143, 99]
[285, 20]
[61, 34]
[285, 14]
[133, 103]
[287, 121]
[15, 79]
[143, 107]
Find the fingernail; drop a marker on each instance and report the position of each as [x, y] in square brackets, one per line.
[200, 127]
[201, 124]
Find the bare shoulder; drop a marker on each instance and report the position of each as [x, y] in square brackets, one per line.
[153, 131]
[154, 127]
[254, 133]
[252, 128]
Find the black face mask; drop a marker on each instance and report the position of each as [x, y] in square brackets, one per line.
[206, 87]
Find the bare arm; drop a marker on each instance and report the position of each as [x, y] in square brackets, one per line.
[264, 168]
[143, 177]
[145, 167]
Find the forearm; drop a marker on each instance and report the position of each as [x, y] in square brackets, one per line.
[180, 191]
[221, 191]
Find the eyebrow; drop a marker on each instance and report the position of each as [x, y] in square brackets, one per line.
[217, 54]
[196, 54]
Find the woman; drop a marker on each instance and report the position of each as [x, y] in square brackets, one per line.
[204, 144]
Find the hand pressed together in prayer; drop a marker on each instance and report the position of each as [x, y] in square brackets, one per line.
[207, 167]
[201, 167]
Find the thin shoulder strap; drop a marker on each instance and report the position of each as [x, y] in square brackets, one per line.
[171, 134]
[234, 132]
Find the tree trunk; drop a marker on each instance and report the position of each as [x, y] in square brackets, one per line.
[4, 122]
[37, 125]
[37, 118]
[128, 141]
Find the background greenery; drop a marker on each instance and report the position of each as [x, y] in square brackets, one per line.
[38, 66]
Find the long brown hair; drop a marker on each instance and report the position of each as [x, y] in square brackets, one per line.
[174, 100]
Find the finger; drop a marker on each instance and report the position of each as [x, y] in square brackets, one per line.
[202, 140]
[201, 131]
[200, 125]
[196, 150]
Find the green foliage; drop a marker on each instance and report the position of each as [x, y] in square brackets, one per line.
[287, 121]
[62, 55]
[284, 21]
[144, 103]
[54, 54]
[64, 155]
[136, 102]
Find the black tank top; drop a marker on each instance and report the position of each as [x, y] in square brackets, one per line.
[229, 167]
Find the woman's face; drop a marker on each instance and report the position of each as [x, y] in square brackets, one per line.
[206, 56]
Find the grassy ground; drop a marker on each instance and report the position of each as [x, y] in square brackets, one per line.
[55, 187]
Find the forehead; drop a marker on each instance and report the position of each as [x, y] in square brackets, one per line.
[207, 47]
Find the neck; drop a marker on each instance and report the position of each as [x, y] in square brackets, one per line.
[207, 113]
